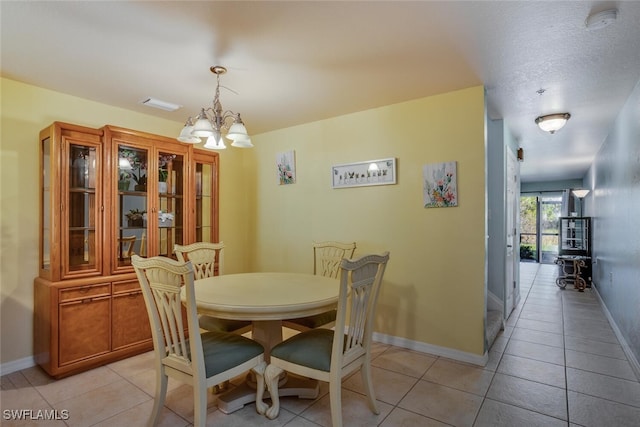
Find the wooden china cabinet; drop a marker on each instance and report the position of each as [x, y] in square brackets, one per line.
[106, 194]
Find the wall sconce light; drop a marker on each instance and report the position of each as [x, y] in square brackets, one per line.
[520, 154]
[552, 122]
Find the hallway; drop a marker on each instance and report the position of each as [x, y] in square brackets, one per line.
[560, 357]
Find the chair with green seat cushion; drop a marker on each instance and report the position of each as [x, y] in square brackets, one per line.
[328, 355]
[201, 360]
[208, 259]
[327, 257]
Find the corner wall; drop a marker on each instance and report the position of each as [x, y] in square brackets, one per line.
[434, 284]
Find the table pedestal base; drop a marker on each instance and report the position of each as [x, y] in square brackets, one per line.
[236, 398]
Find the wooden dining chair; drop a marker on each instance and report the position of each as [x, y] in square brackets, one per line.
[327, 257]
[328, 355]
[125, 246]
[207, 259]
[199, 359]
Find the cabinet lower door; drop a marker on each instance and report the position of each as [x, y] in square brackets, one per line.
[130, 321]
[84, 329]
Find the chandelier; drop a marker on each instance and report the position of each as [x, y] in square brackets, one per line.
[212, 121]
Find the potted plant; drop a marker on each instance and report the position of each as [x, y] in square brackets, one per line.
[123, 181]
[135, 218]
[165, 219]
[137, 166]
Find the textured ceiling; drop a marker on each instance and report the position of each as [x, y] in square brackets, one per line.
[296, 62]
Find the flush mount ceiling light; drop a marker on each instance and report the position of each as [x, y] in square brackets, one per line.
[597, 21]
[552, 122]
[212, 121]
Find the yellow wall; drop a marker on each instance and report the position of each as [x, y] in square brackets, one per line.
[25, 111]
[434, 287]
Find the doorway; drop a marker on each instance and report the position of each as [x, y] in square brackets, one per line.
[539, 227]
[511, 291]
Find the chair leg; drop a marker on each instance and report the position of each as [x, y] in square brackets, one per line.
[199, 404]
[161, 393]
[335, 398]
[368, 387]
[261, 407]
[272, 377]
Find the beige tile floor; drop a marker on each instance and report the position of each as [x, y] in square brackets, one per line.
[558, 363]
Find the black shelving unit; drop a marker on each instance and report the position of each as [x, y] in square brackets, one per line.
[575, 242]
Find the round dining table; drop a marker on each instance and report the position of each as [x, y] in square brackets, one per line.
[265, 299]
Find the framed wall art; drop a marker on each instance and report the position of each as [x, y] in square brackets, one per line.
[359, 174]
[440, 186]
[286, 163]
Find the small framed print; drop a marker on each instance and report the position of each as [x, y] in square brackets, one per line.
[286, 164]
[440, 185]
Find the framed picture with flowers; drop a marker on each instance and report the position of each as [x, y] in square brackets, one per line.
[286, 163]
[440, 187]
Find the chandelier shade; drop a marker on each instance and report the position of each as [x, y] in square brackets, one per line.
[211, 122]
[186, 134]
[215, 142]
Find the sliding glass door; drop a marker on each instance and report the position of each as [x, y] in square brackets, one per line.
[539, 216]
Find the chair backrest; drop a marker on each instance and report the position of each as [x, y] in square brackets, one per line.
[161, 280]
[125, 246]
[360, 281]
[204, 256]
[328, 255]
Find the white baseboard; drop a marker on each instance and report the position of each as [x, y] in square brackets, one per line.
[17, 365]
[494, 303]
[633, 361]
[461, 356]
[449, 353]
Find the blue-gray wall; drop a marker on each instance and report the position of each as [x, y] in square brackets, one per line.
[614, 204]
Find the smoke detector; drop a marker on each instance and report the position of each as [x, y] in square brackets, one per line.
[597, 21]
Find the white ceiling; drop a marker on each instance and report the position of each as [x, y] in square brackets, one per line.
[295, 62]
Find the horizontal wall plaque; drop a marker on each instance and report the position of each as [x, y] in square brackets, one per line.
[360, 174]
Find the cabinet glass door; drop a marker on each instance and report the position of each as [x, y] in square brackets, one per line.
[45, 212]
[131, 204]
[171, 206]
[83, 208]
[205, 198]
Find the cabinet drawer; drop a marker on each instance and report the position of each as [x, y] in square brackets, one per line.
[126, 287]
[129, 320]
[85, 329]
[82, 292]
